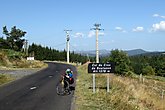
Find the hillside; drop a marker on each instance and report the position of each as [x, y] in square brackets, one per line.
[126, 93]
[13, 59]
[135, 52]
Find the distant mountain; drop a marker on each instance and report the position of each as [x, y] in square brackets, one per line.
[135, 52]
[104, 53]
[92, 53]
[153, 53]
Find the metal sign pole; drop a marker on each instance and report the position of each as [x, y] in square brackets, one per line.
[108, 82]
[101, 68]
[94, 85]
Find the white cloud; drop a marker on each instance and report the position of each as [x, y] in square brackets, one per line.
[120, 29]
[138, 29]
[92, 33]
[78, 34]
[157, 15]
[107, 42]
[101, 33]
[158, 26]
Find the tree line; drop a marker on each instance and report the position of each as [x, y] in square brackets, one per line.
[46, 53]
[141, 64]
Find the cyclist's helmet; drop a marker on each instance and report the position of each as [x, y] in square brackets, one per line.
[68, 71]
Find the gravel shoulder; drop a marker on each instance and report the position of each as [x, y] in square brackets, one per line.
[19, 73]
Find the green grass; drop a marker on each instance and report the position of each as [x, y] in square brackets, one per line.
[125, 93]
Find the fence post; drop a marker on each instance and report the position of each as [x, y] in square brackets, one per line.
[108, 82]
[162, 94]
[143, 79]
[140, 78]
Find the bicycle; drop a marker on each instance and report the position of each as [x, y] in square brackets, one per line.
[61, 89]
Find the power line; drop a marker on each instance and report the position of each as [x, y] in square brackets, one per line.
[73, 47]
[58, 45]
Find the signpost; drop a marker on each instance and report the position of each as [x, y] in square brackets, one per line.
[101, 68]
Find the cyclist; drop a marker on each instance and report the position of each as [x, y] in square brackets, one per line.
[68, 76]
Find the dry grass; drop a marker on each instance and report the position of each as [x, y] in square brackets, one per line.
[7, 59]
[4, 60]
[28, 64]
[4, 78]
[125, 94]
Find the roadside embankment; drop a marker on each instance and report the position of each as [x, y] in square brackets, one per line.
[126, 93]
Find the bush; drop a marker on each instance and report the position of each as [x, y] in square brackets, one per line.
[148, 70]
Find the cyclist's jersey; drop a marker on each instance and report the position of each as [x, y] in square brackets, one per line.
[69, 77]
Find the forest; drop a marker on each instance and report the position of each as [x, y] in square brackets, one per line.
[46, 53]
[139, 64]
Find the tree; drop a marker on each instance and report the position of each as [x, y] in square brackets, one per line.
[138, 63]
[121, 60]
[3, 43]
[14, 38]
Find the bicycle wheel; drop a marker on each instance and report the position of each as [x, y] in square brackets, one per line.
[63, 88]
[67, 87]
[60, 88]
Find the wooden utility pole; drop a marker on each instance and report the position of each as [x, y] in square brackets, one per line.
[97, 51]
[67, 43]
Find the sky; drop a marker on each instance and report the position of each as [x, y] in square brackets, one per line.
[127, 24]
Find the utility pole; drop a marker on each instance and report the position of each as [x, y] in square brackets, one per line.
[97, 45]
[67, 43]
[26, 47]
[97, 51]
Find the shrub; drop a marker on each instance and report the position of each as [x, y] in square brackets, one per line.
[148, 70]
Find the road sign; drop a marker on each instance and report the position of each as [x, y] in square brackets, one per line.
[101, 67]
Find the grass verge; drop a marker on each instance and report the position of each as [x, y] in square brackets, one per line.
[5, 78]
[125, 93]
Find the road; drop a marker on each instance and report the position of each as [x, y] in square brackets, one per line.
[37, 91]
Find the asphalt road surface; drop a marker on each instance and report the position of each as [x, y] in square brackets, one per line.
[37, 91]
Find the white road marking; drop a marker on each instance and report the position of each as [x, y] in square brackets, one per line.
[32, 88]
[50, 76]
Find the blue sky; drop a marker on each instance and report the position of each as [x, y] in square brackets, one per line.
[127, 24]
